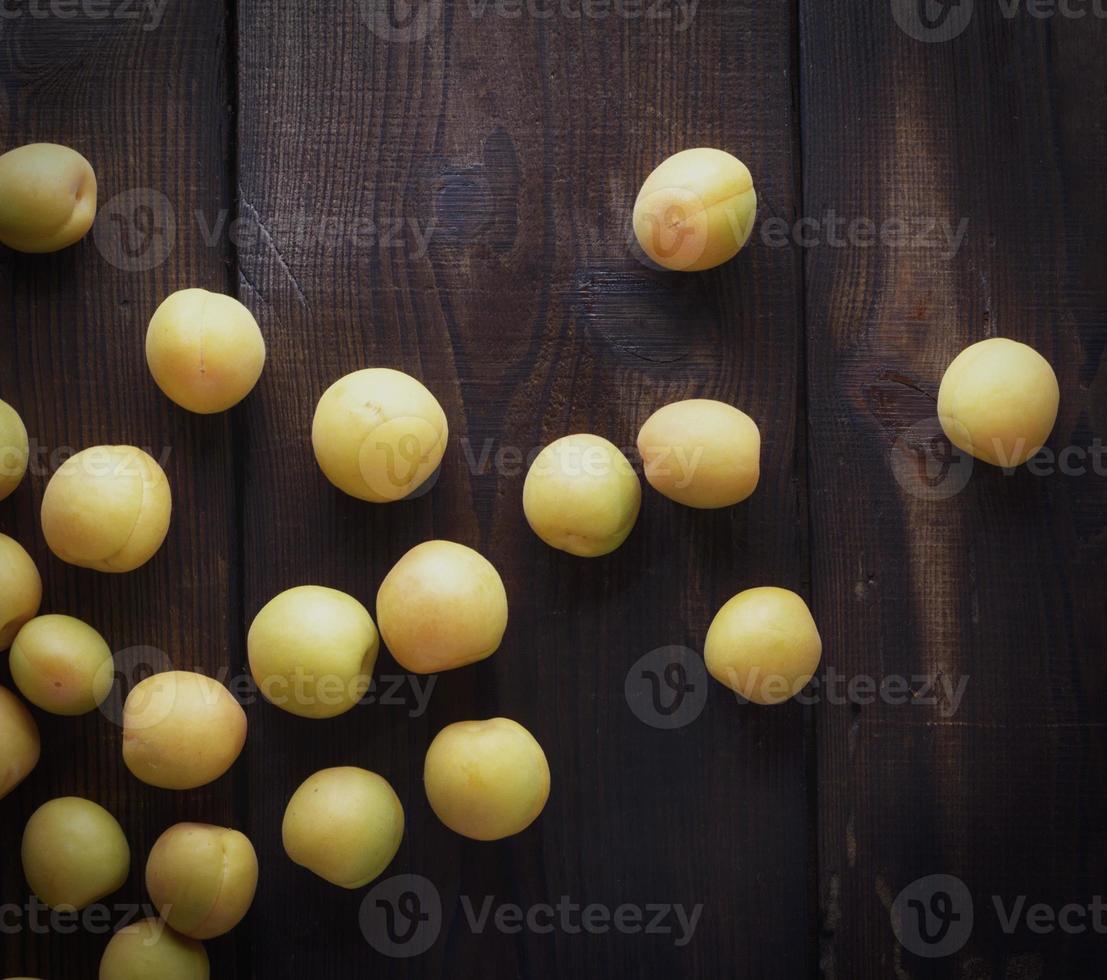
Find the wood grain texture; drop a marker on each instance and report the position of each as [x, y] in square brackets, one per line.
[520, 142]
[992, 578]
[148, 109]
[446, 188]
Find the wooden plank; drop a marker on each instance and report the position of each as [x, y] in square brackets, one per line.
[992, 579]
[145, 101]
[520, 141]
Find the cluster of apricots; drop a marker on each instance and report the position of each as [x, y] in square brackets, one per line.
[379, 435]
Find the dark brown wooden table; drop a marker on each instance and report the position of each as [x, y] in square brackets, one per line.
[446, 188]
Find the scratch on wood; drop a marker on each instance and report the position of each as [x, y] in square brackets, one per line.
[276, 251]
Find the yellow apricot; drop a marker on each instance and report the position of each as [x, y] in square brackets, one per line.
[312, 651]
[14, 450]
[581, 495]
[107, 508]
[204, 350]
[442, 605]
[764, 645]
[202, 878]
[344, 824]
[150, 950]
[74, 853]
[20, 739]
[61, 665]
[47, 197]
[181, 730]
[378, 434]
[701, 453]
[486, 779]
[998, 401]
[20, 589]
[696, 210]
